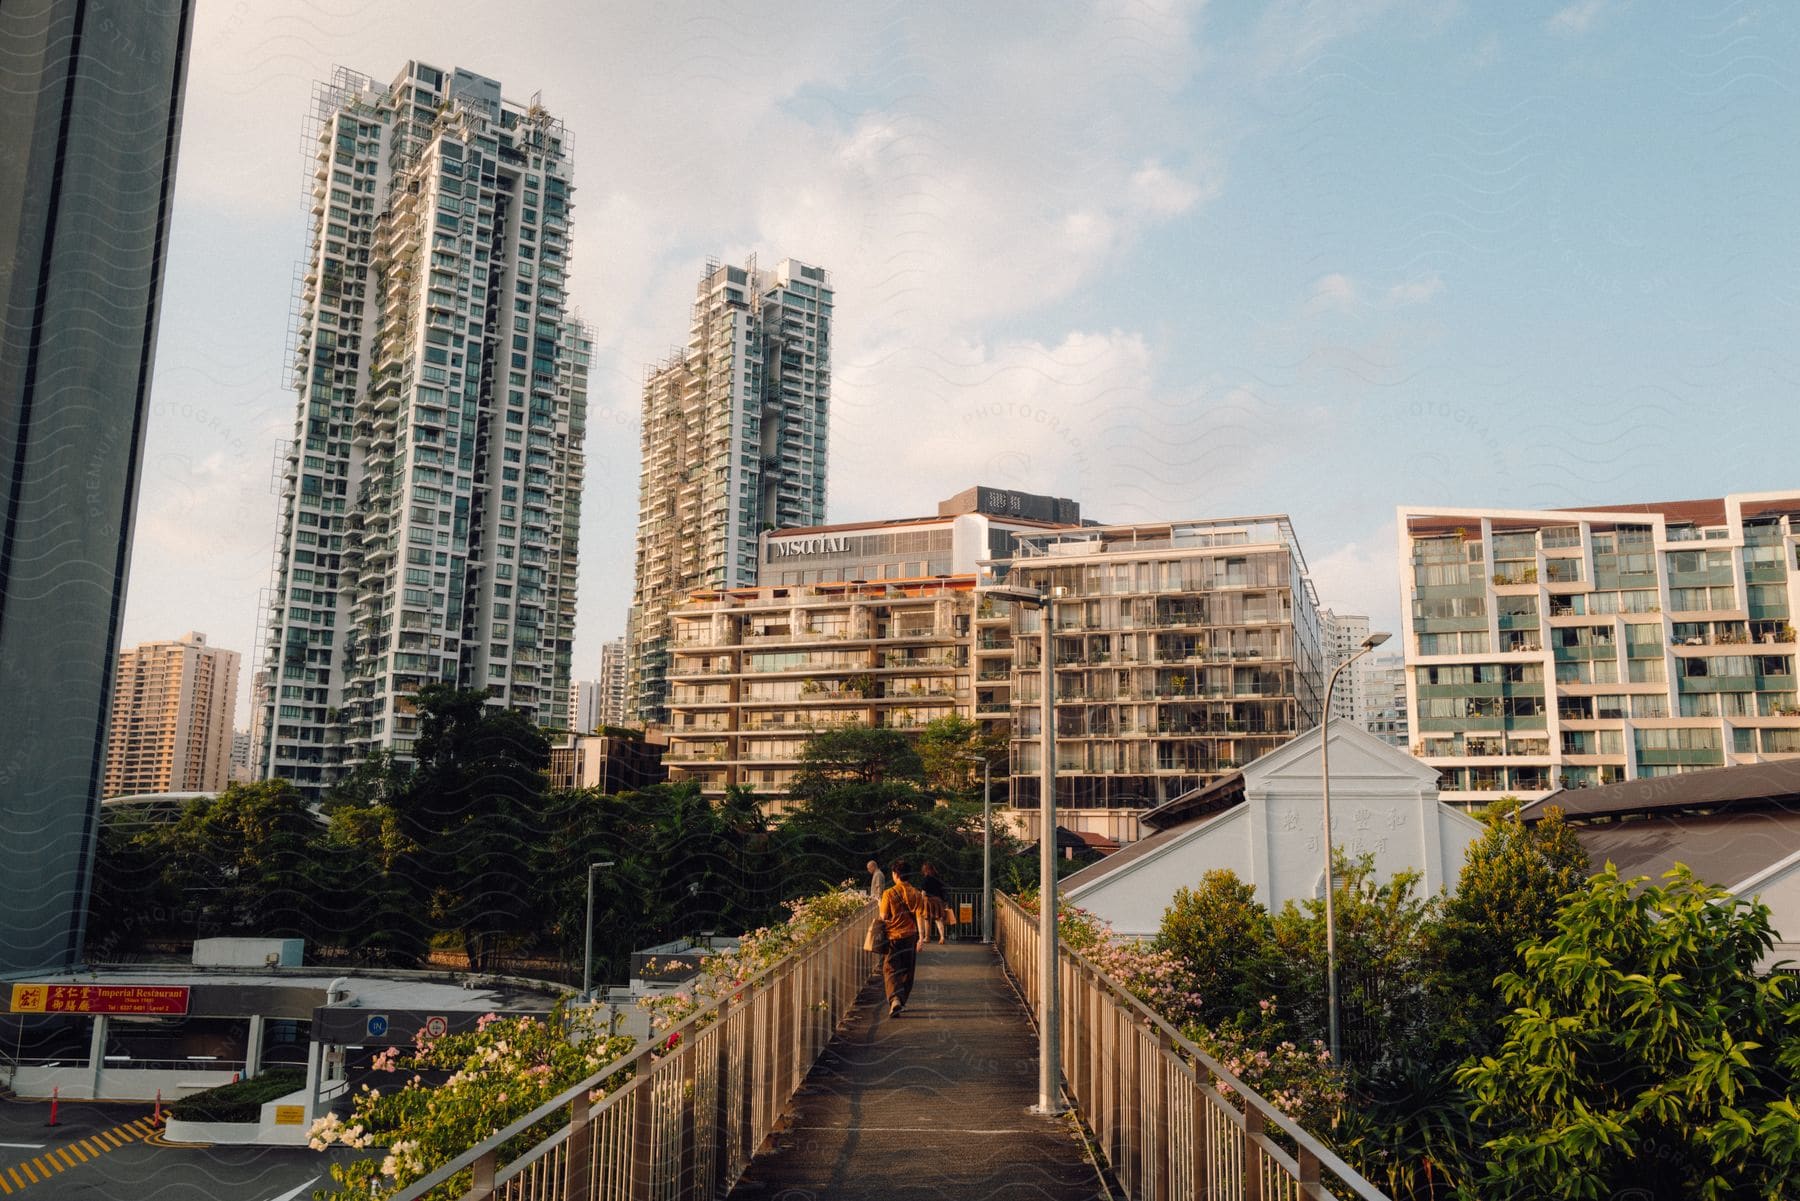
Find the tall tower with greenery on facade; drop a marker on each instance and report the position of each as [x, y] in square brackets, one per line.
[734, 443]
[432, 491]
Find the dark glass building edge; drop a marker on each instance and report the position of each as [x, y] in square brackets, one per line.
[90, 116]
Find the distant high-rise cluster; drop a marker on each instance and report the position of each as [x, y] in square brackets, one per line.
[734, 443]
[431, 500]
[171, 718]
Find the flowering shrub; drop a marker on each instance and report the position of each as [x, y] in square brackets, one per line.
[1301, 1082]
[498, 1073]
[809, 919]
[1160, 979]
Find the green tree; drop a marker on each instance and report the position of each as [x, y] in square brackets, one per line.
[470, 812]
[1226, 938]
[1644, 1054]
[855, 754]
[944, 747]
[245, 861]
[1512, 882]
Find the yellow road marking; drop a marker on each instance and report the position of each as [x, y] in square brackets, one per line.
[139, 1127]
[66, 1157]
[79, 1153]
[29, 1174]
[38, 1163]
[5, 1187]
[110, 1138]
[15, 1176]
[94, 1147]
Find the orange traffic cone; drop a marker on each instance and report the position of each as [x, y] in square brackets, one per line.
[55, 1095]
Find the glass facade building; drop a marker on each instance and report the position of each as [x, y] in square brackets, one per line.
[1182, 651]
[90, 117]
[1567, 648]
[431, 501]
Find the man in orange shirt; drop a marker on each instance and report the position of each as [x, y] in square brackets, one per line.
[902, 908]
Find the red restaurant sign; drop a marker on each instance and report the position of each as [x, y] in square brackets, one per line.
[99, 998]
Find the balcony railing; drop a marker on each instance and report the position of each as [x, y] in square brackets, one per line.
[1153, 1099]
[686, 1121]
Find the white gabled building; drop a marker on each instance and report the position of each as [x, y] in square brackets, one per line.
[1265, 823]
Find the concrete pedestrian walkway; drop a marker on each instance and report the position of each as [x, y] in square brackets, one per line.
[932, 1104]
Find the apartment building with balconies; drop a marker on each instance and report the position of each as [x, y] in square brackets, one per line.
[1569, 648]
[170, 723]
[755, 673]
[1182, 651]
[734, 443]
[431, 494]
[870, 623]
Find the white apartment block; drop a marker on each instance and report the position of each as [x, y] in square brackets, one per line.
[1566, 648]
[170, 725]
[431, 496]
[734, 443]
[1342, 635]
[584, 706]
[613, 709]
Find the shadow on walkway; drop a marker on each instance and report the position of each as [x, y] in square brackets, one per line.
[932, 1104]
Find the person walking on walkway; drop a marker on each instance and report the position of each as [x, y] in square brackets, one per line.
[903, 908]
[937, 903]
[877, 881]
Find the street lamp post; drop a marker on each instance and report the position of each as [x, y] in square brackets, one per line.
[1331, 988]
[587, 958]
[1050, 1015]
[987, 845]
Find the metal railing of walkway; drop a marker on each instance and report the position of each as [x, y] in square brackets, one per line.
[696, 1102]
[1153, 1099]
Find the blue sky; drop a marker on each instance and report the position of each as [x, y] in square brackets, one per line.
[1173, 260]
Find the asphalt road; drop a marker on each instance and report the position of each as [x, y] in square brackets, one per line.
[102, 1150]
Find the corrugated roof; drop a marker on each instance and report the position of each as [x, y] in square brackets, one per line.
[1722, 848]
[1776, 782]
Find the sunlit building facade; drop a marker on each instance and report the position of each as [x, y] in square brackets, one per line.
[431, 497]
[1567, 648]
[734, 443]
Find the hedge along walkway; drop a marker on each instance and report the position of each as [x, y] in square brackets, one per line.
[932, 1104]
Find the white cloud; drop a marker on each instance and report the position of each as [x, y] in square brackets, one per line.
[1362, 577]
[1576, 19]
[1418, 290]
[1157, 191]
[1333, 293]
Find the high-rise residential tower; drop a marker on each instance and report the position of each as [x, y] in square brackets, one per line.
[171, 718]
[613, 709]
[734, 441]
[1566, 648]
[1341, 636]
[432, 494]
[90, 116]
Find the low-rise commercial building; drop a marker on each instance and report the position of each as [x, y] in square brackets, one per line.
[1266, 824]
[1573, 648]
[611, 760]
